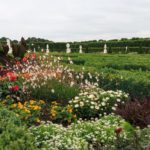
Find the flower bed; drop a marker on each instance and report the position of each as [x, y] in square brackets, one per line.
[63, 109]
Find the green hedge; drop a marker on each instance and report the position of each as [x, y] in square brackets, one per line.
[139, 45]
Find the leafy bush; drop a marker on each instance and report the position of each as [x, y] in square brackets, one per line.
[13, 135]
[7, 117]
[17, 138]
[137, 113]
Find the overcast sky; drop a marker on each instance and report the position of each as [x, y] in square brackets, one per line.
[74, 20]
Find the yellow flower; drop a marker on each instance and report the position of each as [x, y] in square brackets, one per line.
[26, 110]
[42, 102]
[32, 102]
[38, 120]
[25, 103]
[20, 106]
[54, 103]
[36, 107]
[14, 105]
[69, 109]
[74, 116]
[17, 115]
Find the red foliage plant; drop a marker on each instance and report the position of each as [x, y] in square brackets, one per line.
[136, 112]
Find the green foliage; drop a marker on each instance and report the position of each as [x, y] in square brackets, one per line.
[129, 73]
[62, 114]
[13, 135]
[7, 117]
[54, 90]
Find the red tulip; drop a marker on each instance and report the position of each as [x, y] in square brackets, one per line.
[24, 59]
[11, 76]
[18, 63]
[14, 88]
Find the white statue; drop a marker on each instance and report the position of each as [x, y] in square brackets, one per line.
[68, 50]
[126, 49]
[47, 48]
[34, 50]
[105, 49]
[9, 45]
[80, 49]
[42, 50]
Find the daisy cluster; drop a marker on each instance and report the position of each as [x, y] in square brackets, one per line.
[93, 101]
[55, 137]
[81, 136]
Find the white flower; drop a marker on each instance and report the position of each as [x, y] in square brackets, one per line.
[113, 108]
[75, 101]
[85, 93]
[103, 103]
[76, 98]
[107, 98]
[97, 107]
[52, 90]
[91, 96]
[92, 103]
[76, 106]
[81, 104]
[118, 100]
[92, 107]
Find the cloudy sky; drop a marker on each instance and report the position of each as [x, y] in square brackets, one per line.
[74, 20]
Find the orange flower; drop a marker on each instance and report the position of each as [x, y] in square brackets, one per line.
[27, 75]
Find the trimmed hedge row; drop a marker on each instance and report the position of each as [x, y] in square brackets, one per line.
[138, 45]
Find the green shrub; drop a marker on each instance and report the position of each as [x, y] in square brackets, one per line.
[17, 138]
[13, 135]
